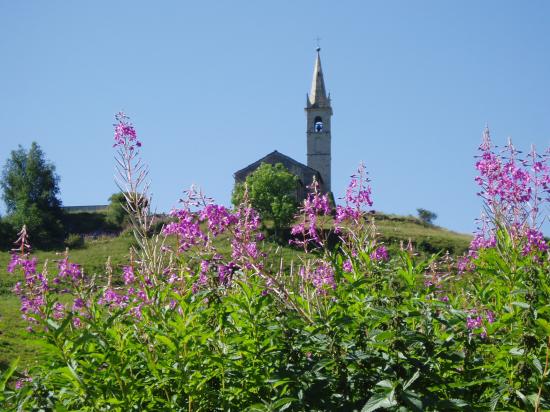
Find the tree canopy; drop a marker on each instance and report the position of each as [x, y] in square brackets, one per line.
[272, 193]
[426, 216]
[30, 189]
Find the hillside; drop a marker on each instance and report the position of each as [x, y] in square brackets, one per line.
[15, 341]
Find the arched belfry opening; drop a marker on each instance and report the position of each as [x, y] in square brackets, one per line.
[318, 124]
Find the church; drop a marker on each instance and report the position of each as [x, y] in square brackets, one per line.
[318, 114]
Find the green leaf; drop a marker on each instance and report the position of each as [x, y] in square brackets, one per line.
[544, 325]
[5, 377]
[283, 403]
[413, 400]
[166, 341]
[411, 381]
[379, 400]
[516, 351]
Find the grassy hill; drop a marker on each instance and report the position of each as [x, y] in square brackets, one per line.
[15, 341]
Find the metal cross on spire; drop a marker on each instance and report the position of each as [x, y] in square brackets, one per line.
[318, 41]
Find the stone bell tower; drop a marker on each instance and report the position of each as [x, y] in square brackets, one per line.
[318, 112]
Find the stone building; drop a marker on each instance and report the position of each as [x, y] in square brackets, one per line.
[318, 138]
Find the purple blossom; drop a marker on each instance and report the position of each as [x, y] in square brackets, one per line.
[125, 134]
[218, 218]
[307, 230]
[474, 323]
[17, 289]
[225, 272]
[534, 242]
[113, 299]
[347, 266]
[136, 312]
[67, 269]
[320, 276]
[380, 254]
[243, 243]
[58, 311]
[13, 263]
[20, 383]
[78, 305]
[186, 228]
[512, 190]
[128, 275]
[490, 316]
[357, 198]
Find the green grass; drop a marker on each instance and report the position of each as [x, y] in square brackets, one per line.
[15, 341]
[426, 238]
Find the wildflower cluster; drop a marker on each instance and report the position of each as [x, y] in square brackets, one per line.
[477, 321]
[320, 275]
[307, 230]
[513, 190]
[125, 133]
[357, 198]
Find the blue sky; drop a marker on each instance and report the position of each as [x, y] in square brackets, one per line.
[213, 86]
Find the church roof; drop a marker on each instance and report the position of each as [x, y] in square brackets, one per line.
[276, 157]
[318, 95]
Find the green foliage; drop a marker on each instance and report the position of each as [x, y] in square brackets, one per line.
[74, 241]
[381, 339]
[7, 235]
[272, 193]
[86, 223]
[116, 213]
[30, 190]
[426, 216]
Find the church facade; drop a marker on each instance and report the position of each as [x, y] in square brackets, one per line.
[318, 139]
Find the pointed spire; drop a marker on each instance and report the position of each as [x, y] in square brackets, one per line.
[318, 95]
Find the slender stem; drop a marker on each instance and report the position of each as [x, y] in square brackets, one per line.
[537, 403]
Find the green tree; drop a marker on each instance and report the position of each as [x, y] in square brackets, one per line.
[116, 212]
[426, 216]
[272, 193]
[120, 204]
[30, 188]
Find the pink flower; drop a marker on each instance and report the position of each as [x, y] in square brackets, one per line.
[307, 230]
[128, 275]
[125, 134]
[77, 323]
[380, 254]
[347, 266]
[474, 323]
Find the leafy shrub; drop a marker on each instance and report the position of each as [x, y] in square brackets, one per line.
[351, 328]
[271, 191]
[74, 241]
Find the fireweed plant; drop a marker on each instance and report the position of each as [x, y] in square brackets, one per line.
[190, 325]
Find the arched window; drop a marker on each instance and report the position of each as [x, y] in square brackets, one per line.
[318, 124]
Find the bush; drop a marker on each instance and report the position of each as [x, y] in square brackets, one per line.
[271, 191]
[74, 241]
[116, 214]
